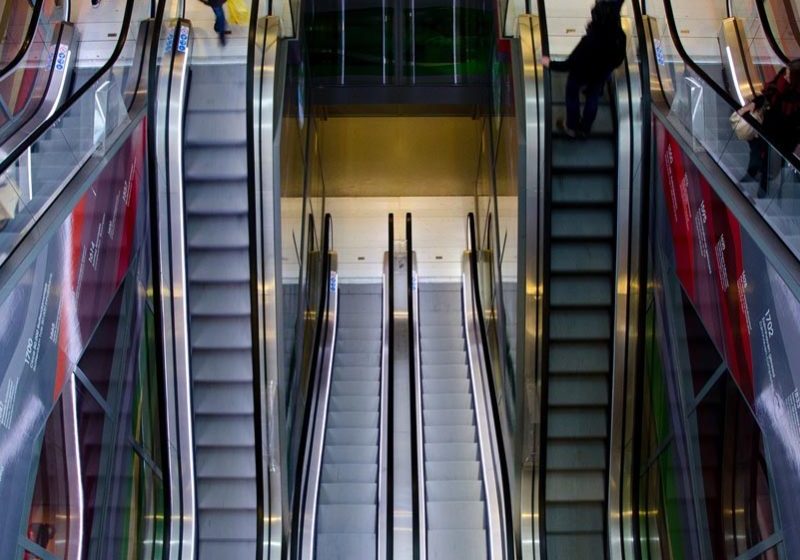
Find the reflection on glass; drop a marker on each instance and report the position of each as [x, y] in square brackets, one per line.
[734, 471]
[93, 449]
[48, 523]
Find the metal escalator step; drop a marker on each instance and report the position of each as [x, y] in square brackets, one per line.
[208, 99]
[348, 493]
[354, 419]
[571, 518]
[345, 518]
[357, 373]
[213, 164]
[430, 386]
[448, 417]
[221, 332]
[355, 304]
[454, 491]
[227, 524]
[457, 544]
[355, 388]
[358, 320]
[431, 372]
[224, 430]
[229, 128]
[447, 401]
[593, 153]
[569, 454]
[603, 124]
[579, 357]
[220, 299]
[450, 434]
[453, 470]
[577, 390]
[351, 346]
[442, 344]
[582, 223]
[436, 358]
[455, 515]
[226, 549]
[569, 324]
[434, 301]
[223, 197]
[359, 403]
[350, 454]
[570, 547]
[225, 494]
[349, 472]
[581, 291]
[581, 257]
[357, 333]
[580, 423]
[351, 436]
[345, 546]
[444, 331]
[430, 321]
[222, 399]
[585, 188]
[217, 232]
[357, 359]
[222, 366]
[205, 265]
[233, 463]
[450, 452]
[575, 486]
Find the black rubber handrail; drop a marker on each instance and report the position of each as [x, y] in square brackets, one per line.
[254, 229]
[390, 404]
[495, 404]
[769, 34]
[719, 90]
[76, 96]
[299, 500]
[412, 376]
[27, 41]
[544, 249]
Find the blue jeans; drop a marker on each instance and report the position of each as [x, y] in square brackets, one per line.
[220, 25]
[593, 93]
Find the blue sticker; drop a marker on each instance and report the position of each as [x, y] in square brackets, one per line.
[659, 46]
[183, 40]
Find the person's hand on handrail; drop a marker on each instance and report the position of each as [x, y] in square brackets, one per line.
[747, 108]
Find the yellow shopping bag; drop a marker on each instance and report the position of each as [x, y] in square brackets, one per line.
[238, 12]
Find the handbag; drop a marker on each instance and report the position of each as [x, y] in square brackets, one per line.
[238, 12]
[742, 128]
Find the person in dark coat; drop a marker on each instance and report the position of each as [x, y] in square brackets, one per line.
[220, 25]
[779, 102]
[589, 65]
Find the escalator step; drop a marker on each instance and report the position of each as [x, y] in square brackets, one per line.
[575, 486]
[569, 324]
[453, 452]
[457, 544]
[454, 491]
[453, 470]
[577, 390]
[447, 401]
[569, 547]
[346, 518]
[450, 434]
[224, 430]
[225, 493]
[581, 258]
[592, 223]
[575, 517]
[348, 493]
[579, 423]
[352, 436]
[566, 455]
[455, 515]
[579, 357]
[345, 546]
[349, 472]
[580, 291]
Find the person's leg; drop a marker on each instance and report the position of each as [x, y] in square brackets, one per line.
[593, 94]
[220, 25]
[754, 161]
[573, 101]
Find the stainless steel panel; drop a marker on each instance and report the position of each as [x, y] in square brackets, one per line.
[267, 90]
[384, 438]
[74, 469]
[490, 448]
[661, 85]
[171, 96]
[419, 424]
[738, 61]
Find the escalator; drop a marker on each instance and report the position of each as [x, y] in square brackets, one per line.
[218, 274]
[580, 304]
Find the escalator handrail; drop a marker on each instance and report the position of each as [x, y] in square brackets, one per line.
[544, 250]
[719, 90]
[389, 380]
[418, 506]
[769, 34]
[300, 497]
[33, 24]
[495, 405]
[76, 96]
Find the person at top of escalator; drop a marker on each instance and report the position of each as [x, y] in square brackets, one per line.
[220, 25]
[778, 108]
[590, 64]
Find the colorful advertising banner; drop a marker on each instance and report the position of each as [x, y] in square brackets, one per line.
[49, 315]
[748, 311]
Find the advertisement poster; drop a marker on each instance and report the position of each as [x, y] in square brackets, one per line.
[748, 310]
[48, 317]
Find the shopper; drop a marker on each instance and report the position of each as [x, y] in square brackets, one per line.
[778, 108]
[599, 51]
[220, 25]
